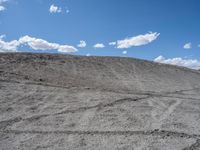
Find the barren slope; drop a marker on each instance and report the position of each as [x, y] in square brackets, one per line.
[72, 102]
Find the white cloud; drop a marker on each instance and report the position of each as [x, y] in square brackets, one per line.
[199, 45]
[187, 46]
[35, 44]
[8, 46]
[112, 43]
[54, 9]
[67, 11]
[99, 45]
[190, 63]
[82, 44]
[2, 8]
[124, 52]
[2, 36]
[137, 40]
[40, 44]
[88, 54]
[3, 1]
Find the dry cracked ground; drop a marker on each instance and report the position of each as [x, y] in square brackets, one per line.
[63, 102]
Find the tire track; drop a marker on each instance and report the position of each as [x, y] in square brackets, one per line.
[152, 93]
[100, 105]
[9, 122]
[4, 124]
[195, 146]
[158, 122]
[161, 133]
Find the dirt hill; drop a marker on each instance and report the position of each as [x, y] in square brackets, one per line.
[75, 102]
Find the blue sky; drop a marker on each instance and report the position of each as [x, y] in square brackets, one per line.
[137, 28]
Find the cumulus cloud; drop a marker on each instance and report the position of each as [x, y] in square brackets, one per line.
[112, 43]
[9, 46]
[88, 54]
[54, 9]
[35, 44]
[187, 46]
[137, 40]
[189, 63]
[82, 44]
[40, 44]
[99, 45]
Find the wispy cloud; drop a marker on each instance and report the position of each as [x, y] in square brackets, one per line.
[35, 44]
[67, 11]
[82, 44]
[124, 52]
[2, 8]
[55, 9]
[190, 63]
[137, 40]
[112, 43]
[187, 46]
[99, 45]
[2, 36]
[3, 1]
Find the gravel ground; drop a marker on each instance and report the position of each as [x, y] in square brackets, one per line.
[66, 102]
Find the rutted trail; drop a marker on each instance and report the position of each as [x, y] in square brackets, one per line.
[161, 133]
